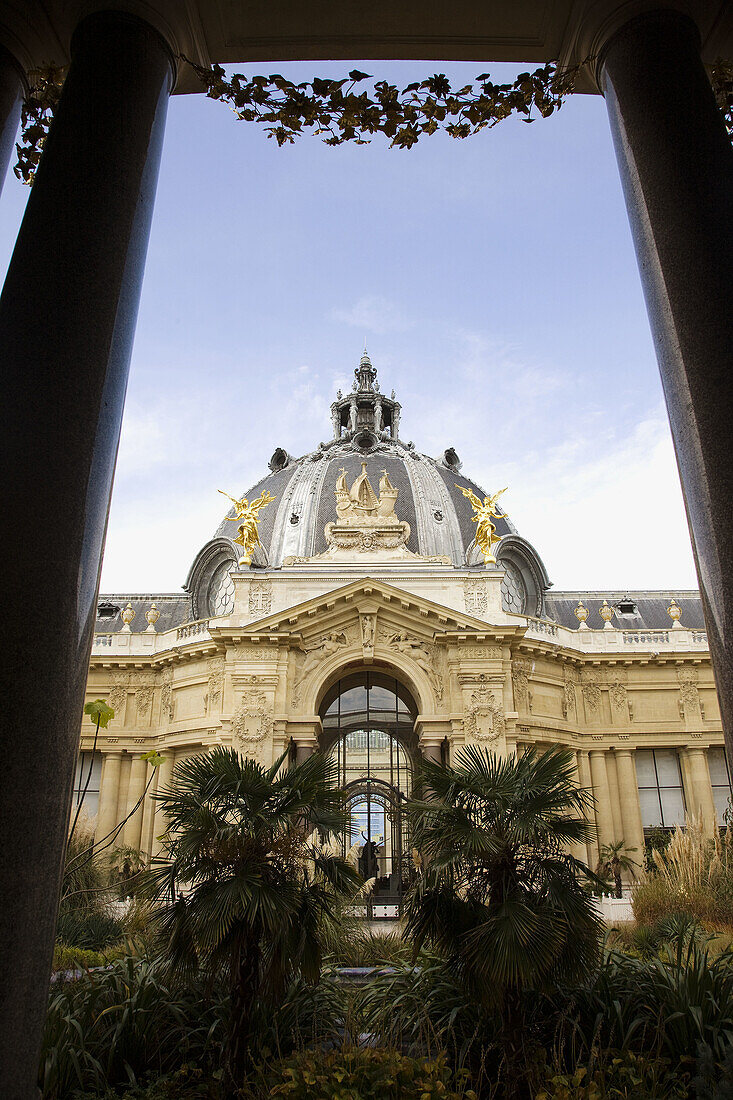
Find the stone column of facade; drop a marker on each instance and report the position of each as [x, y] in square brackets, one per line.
[676, 165]
[108, 793]
[138, 776]
[433, 751]
[602, 794]
[580, 849]
[12, 87]
[702, 791]
[618, 826]
[628, 787]
[165, 772]
[67, 318]
[587, 783]
[146, 832]
[304, 749]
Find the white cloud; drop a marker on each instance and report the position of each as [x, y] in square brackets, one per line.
[372, 313]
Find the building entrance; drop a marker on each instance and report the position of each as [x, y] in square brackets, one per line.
[368, 728]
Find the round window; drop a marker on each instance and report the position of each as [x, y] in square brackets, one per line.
[513, 590]
[221, 590]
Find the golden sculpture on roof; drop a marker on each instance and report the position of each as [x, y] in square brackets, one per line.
[486, 536]
[247, 515]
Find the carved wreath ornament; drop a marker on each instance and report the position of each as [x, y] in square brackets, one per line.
[484, 718]
[253, 721]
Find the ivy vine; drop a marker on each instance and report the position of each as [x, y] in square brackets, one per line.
[344, 110]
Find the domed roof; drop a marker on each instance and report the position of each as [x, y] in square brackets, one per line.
[365, 426]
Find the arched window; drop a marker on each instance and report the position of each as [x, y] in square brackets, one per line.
[368, 728]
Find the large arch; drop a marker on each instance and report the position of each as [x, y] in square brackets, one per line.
[351, 659]
[368, 728]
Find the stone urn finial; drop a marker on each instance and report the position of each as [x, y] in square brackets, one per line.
[607, 613]
[127, 616]
[581, 614]
[675, 614]
[152, 615]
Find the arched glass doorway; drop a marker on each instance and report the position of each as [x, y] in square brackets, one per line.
[368, 728]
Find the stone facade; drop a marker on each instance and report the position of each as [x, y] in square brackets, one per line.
[478, 672]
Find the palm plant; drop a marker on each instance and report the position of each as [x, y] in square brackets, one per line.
[247, 877]
[613, 860]
[499, 894]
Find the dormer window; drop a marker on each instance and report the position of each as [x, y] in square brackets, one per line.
[107, 610]
[626, 607]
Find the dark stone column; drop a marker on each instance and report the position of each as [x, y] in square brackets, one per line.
[676, 165]
[12, 87]
[67, 319]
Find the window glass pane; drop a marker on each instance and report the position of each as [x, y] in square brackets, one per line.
[721, 797]
[381, 698]
[673, 808]
[718, 770]
[645, 773]
[667, 767]
[91, 804]
[650, 815]
[354, 701]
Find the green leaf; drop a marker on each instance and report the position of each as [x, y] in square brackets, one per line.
[99, 711]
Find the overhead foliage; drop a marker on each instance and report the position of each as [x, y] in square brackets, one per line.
[338, 111]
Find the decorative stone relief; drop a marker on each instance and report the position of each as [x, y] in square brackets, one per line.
[330, 643]
[478, 652]
[144, 698]
[166, 695]
[521, 670]
[689, 697]
[475, 597]
[260, 599]
[619, 698]
[569, 701]
[591, 694]
[484, 718]
[118, 695]
[421, 653]
[252, 724]
[368, 623]
[215, 686]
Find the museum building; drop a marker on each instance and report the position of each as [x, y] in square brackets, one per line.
[369, 623]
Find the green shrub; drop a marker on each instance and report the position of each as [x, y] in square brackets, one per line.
[616, 1076]
[365, 1074]
[92, 929]
[125, 1025]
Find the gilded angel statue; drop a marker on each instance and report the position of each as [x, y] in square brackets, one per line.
[486, 536]
[247, 515]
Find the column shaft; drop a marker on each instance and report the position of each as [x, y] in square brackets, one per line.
[165, 772]
[67, 318]
[303, 749]
[618, 828]
[108, 794]
[138, 775]
[702, 791]
[628, 788]
[587, 782]
[676, 166]
[12, 87]
[146, 837]
[602, 794]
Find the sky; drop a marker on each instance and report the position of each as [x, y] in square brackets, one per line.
[494, 282]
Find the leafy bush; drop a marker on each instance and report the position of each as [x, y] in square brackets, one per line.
[365, 1074]
[91, 929]
[77, 958]
[617, 1076]
[125, 1025]
[351, 943]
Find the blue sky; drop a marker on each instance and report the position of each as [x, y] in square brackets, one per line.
[495, 282]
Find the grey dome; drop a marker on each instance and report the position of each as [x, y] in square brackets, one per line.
[365, 426]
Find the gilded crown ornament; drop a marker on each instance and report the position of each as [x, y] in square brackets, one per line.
[581, 614]
[127, 616]
[248, 518]
[675, 613]
[607, 613]
[152, 615]
[486, 536]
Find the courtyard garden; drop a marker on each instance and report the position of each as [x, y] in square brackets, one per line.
[236, 966]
